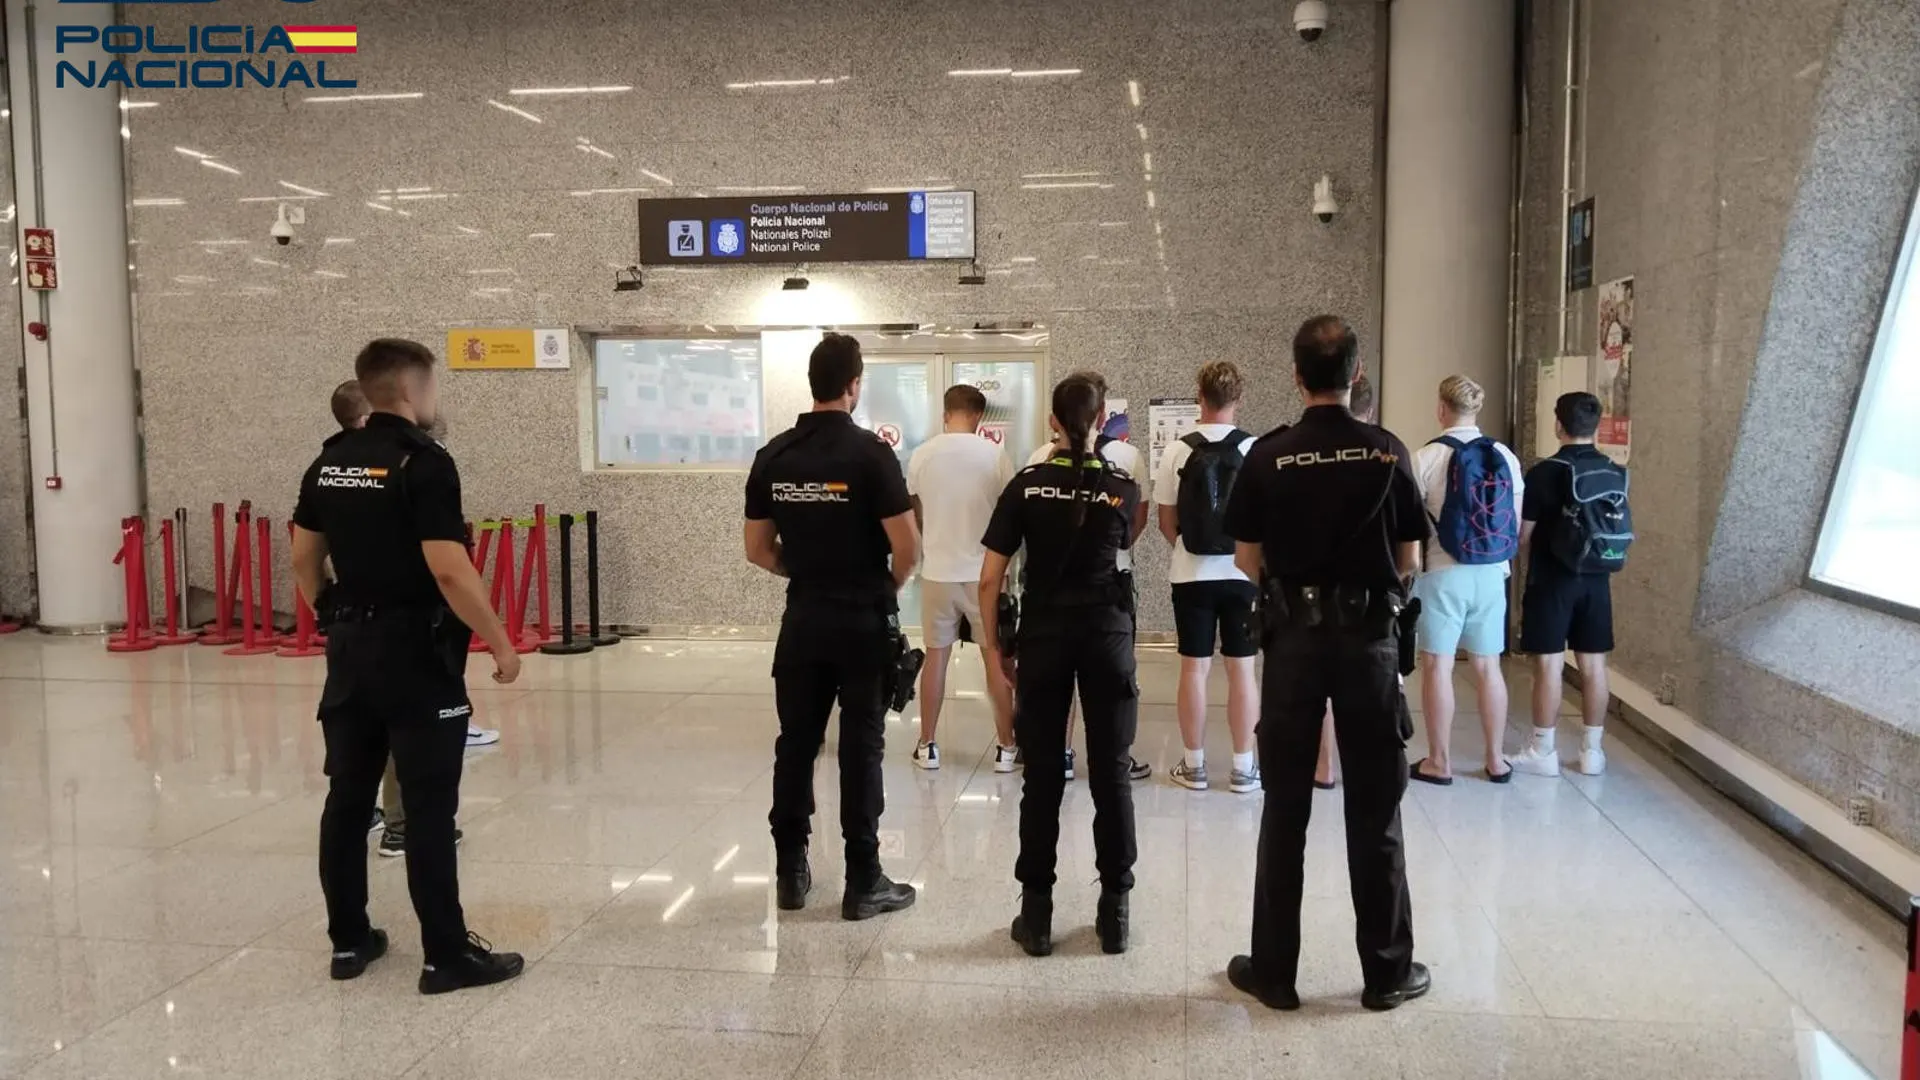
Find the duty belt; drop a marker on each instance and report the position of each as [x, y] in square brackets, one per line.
[366, 613]
[1342, 605]
[1117, 594]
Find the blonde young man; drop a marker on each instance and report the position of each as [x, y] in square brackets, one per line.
[954, 480]
[1212, 598]
[1472, 487]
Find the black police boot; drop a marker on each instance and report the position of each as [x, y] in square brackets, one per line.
[352, 963]
[476, 965]
[1033, 927]
[1240, 974]
[792, 883]
[878, 898]
[1110, 921]
[1417, 983]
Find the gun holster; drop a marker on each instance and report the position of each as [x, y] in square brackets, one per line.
[1007, 630]
[903, 673]
[1405, 616]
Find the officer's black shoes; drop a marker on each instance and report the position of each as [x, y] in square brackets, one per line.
[1033, 927]
[476, 965]
[879, 898]
[1417, 983]
[1110, 922]
[352, 963]
[792, 886]
[1240, 974]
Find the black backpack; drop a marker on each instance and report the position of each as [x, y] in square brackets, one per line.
[1206, 479]
[1595, 525]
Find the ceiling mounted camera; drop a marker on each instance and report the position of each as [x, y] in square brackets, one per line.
[282, 229]
[1325, 207]
[1310, 19]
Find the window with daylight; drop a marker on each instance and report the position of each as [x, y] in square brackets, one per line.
[662, 402]
[1870, 542]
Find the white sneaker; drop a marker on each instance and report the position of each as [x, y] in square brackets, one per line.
[1005, 758]
[481, 737]
[927, 756]
[1536, 762]
[1593, 761]
[1191, 777]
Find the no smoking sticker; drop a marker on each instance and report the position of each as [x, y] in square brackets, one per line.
[889, 434]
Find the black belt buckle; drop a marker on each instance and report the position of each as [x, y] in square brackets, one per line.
[1351, 606]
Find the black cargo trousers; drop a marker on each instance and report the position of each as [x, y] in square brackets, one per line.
[1059, 649]
[1306, 666]
[830, 650]
[395, 685]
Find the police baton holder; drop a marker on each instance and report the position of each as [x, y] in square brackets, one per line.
[568, 645]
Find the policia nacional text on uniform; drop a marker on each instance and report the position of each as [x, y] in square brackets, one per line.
[1327, 516]
[383, 501]
[826, 507]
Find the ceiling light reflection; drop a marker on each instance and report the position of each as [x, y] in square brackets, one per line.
[727, 859]
[678, 903]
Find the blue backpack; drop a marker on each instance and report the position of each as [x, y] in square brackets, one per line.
[1478, 524]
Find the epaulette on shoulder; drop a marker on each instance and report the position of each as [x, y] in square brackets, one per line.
[1281, 430]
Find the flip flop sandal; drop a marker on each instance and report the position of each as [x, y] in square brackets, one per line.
[1414, 773]
[1503, 778]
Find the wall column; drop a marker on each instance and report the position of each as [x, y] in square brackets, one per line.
[1450, 107]
[80, 382]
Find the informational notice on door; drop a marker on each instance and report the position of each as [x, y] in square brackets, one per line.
[1169, 419]
[873, 227]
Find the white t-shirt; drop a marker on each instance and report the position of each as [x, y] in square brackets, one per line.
[958, 479]
[1121, 455]
[1430, 464]
[1185, 566]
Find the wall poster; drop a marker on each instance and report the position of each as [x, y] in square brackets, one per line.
[1613, 379]
[1558, 375]
[1168, 420]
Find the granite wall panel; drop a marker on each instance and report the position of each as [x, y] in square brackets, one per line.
[16, 486]
[445, 210]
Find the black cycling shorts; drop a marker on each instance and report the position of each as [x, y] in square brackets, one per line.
[1561, 611]
[1202, 607]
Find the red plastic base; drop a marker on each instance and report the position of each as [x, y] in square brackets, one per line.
[298, 651]
[175, 639]
[218, 637]
[9, 628]
[123, 645]
[255, 649]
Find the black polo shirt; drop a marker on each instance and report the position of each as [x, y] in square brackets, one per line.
[1037, 510]
[376, 493]
[1329, 499]
[827, 484]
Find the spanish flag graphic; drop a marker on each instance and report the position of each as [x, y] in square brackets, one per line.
[323, 39]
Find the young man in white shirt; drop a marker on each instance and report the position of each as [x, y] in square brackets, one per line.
[1126, 457]
[1211, 597]
[1463, 594]
[955, 479]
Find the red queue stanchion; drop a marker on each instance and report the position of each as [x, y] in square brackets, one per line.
[534, 564]
[1910, 1020]
[306, 640]
[220, 632]
[568, 645]
[170, 584]
[251, 643]
[263, 555]
[137, 634]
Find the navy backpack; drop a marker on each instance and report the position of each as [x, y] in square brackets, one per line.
[1478, 524]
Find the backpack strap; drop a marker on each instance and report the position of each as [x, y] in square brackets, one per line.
[1195, 439]
[1448, 441]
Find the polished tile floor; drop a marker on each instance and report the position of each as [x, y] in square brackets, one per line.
[159, 914]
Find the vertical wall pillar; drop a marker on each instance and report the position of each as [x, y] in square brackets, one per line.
[1450, 108]
[80, 382]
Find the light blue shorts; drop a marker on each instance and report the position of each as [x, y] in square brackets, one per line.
[1463, 607]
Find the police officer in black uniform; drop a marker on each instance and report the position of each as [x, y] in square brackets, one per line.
[1327, 516]
[826, 507]
[1074, 513]
[384, 501]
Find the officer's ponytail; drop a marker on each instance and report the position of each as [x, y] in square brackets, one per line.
[1076, 405]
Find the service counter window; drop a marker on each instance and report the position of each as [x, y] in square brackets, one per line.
[677, 402]
[1870, 545]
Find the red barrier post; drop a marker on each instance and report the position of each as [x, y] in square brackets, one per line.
[305, 640]
[132, 637]
[264, 553]
[171, 591]
[1910, 1024]
[512, 609]
[540, 539]
[526, 638]
[221, 632]
[250, 643]
[493, 594]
